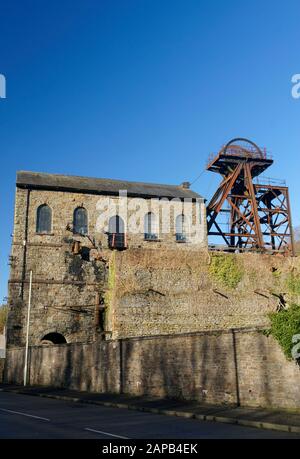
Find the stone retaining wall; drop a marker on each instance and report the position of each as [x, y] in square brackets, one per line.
[237, 366]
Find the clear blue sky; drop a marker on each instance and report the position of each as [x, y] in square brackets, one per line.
[145, 90]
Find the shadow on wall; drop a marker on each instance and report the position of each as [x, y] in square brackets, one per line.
[262, 371]
[86, 367]
[181, 368]
[232, 367]
[238, 367]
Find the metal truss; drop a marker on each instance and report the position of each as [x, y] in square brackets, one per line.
[259, 215]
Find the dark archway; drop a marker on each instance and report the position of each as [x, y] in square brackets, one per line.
[53, 338]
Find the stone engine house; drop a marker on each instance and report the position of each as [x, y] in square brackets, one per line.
[65, 229]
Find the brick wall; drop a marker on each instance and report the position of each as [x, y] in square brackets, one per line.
[215, 367]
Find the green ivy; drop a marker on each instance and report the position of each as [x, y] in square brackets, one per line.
[284, 325]
[226, 270]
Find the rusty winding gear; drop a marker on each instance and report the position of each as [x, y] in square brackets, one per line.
[259, 214]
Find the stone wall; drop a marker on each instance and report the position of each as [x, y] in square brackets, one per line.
[164, 289]
[167, 292]
[100, 209]
[85, 367]
[223, 367]
[145, 292]
[65, 284]
[64, 294]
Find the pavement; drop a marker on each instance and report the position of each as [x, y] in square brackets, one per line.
[26, 417]
[258, 418]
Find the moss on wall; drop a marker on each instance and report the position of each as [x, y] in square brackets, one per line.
[226, 270]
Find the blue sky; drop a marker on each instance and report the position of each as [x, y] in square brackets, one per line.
[144, 90]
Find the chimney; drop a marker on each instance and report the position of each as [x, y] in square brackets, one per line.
[185, 185]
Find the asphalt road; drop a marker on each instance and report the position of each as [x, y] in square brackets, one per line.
[24, 416]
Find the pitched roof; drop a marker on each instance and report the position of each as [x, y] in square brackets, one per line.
[37, 180]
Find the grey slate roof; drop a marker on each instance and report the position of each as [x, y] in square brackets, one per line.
[37, 180]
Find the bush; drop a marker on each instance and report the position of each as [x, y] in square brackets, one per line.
[226, 270]
[284, 325]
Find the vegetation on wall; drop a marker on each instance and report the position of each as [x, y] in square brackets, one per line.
[111, 281]
[284, 325]
[226, 270]
[3, 316]
[293, 283]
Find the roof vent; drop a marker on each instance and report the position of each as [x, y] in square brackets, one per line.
[185, 185]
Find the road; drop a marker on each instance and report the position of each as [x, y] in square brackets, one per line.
[24, 416]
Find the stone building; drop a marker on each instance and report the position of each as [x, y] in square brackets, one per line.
[65, 229]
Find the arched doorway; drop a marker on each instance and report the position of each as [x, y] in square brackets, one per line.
[116, 233]
[53, 338]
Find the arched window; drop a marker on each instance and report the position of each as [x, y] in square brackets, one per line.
[150, 228]
[43, 219]
[116, 233]
[116, 225]
[80, 221]
[181, 228]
